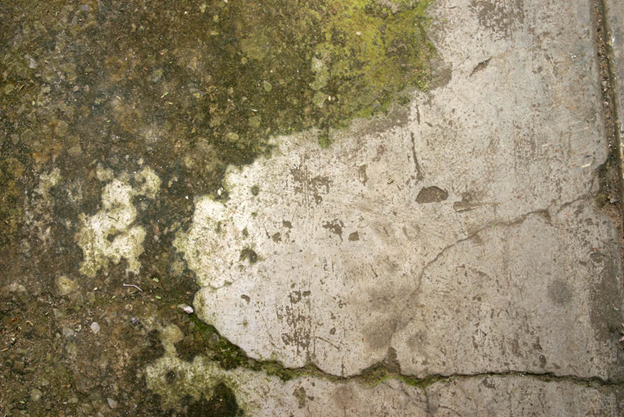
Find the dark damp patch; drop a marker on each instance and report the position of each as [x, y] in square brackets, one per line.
[431, 195]
[222, 403]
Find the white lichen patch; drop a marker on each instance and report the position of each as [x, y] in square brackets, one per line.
[110, 235]
[341, 257]
[211, 221]
[47, 181]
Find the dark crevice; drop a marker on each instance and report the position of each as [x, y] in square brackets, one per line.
[384, 370]
[610, 174]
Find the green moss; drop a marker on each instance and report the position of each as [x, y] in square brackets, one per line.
[206, 82]
[421, 383]
[207, 338]
[187, 87]
[328, 62]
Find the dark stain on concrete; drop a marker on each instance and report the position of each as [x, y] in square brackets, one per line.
[335, 226]
[560, 292]
[431, 195]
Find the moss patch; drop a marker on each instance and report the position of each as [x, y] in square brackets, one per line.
[201, 83]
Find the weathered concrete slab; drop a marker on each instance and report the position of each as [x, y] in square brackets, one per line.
[461, 238]
[262, 395]
[455, 255]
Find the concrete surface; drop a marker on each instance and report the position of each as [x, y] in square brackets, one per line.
[463, 239]
[459, 254]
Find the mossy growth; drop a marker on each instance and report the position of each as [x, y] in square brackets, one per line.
[193, 86]
[207, 81]
[206, 338]
[206, 341]
[325, 62]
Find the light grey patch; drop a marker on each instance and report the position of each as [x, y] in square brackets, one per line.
[442, 74]
[431, 195]
[606, 309]
[379, 335]
[344, 398]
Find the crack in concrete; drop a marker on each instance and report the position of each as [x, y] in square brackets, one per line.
[517, 220]
[419, 174]
[379, 372]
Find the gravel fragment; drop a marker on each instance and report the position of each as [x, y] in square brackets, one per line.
[95, 327]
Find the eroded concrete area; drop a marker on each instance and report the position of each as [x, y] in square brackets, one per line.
[371, 208]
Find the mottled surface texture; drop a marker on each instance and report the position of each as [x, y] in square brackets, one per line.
[311, 208]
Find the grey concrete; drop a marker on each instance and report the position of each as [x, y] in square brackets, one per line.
[462, 238]
[521, 396]
[483, 396]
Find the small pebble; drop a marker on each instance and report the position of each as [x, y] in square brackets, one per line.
[35, 394]
[112, 403]
[186, 308]
[95, 327]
